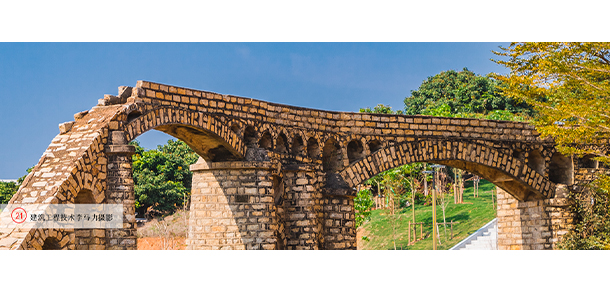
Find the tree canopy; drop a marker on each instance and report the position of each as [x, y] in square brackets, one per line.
[7, 190]
[464, 94]
[162, 179]
[569, 85]
[381, 109]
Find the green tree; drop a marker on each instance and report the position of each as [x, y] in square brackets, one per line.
[7, 190]
[363, 202]
[21, 179]
[569, 85]
[464, 94]
[162, 179]
[381, 109]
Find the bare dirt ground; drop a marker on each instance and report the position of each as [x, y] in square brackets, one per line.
[168, 233]
[160, 243]
[360, 232]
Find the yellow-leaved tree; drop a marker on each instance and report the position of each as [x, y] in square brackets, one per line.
[569, 85]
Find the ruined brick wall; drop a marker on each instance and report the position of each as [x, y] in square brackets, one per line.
[73, 162]
[537, 224]
[232, 206]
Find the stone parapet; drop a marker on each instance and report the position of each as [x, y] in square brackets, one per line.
[358, 123]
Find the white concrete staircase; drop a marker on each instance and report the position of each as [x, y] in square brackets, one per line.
[486, 238]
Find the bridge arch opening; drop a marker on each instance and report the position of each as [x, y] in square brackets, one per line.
[355, 151]
[266, 142]
[161, 228]
[588, 161]
[281, 144]
[205, 143]
[235, 128]
[374, 145]
[214, 140]
[250, 136]
[297, 145]
[313, 148]
[377, 234]
[85, 196]
[133, 115]
[536, 161]
[51, 243]
[84, 237]
[561, 169]
[519, 154]
[331, 155]
[475, 158]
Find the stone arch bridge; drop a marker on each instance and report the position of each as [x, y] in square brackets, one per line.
[273, 176]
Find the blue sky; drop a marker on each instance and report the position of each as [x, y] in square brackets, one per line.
[44, 84]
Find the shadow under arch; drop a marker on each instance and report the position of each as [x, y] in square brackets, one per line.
[209, 137]
[496, 166]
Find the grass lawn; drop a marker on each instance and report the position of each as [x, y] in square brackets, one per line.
[471, 217]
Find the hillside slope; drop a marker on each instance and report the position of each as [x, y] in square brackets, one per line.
[472, 215]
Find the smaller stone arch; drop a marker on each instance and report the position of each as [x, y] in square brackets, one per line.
[355, 151]
[51, 243]
[313, 148]
[281, 143]
[297, 145]
[332, 156]
[266, 142]
[250, 136]
[52, 239]
[235, 128]
[561, 169]
[133, 115]
[374, 145]
[588, 161]
[536, 161]
[85, 196]
[519, 154]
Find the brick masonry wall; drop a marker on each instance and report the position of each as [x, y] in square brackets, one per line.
[358, 123]
[339, 223]
[303, 208]
[119, 190]
[74, 161]
[232, 206]
[537, 224]
[90, 239]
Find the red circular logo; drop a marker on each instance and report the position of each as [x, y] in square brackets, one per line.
[19, 215]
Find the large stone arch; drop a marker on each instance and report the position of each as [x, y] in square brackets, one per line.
[209, 137]
[493, 164]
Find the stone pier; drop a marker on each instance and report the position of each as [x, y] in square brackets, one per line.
[232, 206]
[537, 224]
